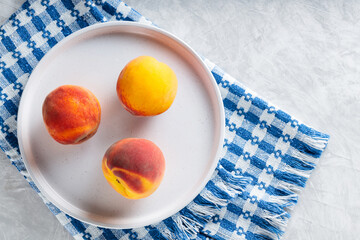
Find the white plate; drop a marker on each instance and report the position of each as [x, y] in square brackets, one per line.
[190, 133]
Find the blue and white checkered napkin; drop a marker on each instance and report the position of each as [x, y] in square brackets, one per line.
[266, 159]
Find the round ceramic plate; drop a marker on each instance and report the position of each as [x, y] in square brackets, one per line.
[190, 133]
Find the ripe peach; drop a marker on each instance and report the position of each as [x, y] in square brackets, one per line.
[71, 114]
[134, 167]
[146, 87]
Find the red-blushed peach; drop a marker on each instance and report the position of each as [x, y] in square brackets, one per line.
[71, 114]
[134, 167]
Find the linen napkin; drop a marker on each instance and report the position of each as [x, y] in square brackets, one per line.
[266, 159]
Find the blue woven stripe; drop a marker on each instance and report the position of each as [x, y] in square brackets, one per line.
[155, 233]
[311, 132]
[38, 23]
[218, 74]
[266, 147]
[79, 226]
[233, 148]
[68, 4]
[260, 103]
[252, 118]
[252, 236]
[9, 75]
[9, 45]
[284, 117]
[277, 192]
[229, 226]
[236, 209]
[23, 33]
[107, 233]
[229, 105]
[24, 65]
[257, 162]
[96, 13]
[290, 178]
[173, 228]
[243, 133]
[10, 107]
[237, 90]
[38, 53]
[298, 164]
[53, 13]
[229, 166]
[305, 148]
[274, 131]
[273, 207]
[110, 9]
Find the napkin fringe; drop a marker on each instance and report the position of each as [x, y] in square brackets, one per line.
[273, 221]
[211, 199]
[299, 172]
[316, 142]
[262, 234]
[304, 158]
[275, 210]
[208, 204]
[286, 201]
[288, 188]
[272, 217]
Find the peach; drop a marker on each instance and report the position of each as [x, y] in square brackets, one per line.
[134, 167]
[71, 114]
[146, 87]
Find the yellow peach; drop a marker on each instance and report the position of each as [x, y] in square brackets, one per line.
[146, 87]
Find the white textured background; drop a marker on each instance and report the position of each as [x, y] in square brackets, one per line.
[304, 57]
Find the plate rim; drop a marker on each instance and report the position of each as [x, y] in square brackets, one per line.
[94, 27]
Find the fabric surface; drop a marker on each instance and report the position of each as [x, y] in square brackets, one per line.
[266, 158]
